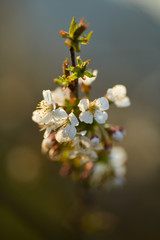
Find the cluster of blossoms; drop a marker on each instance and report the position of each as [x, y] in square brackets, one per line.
[77, 134]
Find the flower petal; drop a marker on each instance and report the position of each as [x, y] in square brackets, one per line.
[95, 141]
[85, 141]
[59, 114]
[47, 131]
[119, 91]
[125, 102]
[73, 119]
[73, 154]
[102, 103]
[71, 131]
[82, 133]
[83, 105]
[86, 117]
[61, 135]
[39, 117]
[88, 80]
[47, 95]
[110, 95]
[100, 116]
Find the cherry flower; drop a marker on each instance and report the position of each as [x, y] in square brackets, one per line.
[60, 95]
[85, 149]
[65, 125]
[111, 172]
[95, 109]
[45, 109]
[117, 94]
[88, 81]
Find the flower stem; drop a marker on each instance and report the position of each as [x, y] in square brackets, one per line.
[74, 85]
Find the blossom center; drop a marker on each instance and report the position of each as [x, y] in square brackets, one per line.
[44, 107]
[92, 107]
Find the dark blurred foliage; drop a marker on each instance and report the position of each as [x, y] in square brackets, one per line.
[35, 202]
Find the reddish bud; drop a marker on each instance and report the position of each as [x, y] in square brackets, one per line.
[63, 34]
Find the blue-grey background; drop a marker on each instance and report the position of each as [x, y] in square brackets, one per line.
[125, 48]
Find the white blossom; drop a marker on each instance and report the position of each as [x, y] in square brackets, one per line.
[45, 109]
[47, 143]
[117, 157]
[100, 171]
[65, 125]
[88, 81]
[85, 149]
[117, 94]
[59, 95]
[112, 172]
[95, 109]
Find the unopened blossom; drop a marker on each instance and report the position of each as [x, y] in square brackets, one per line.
[45, 109]
[95, 109]
[117, 94]
[60, 95]
[88, 81]
[47, 143]
[65, 125]
[117, 136]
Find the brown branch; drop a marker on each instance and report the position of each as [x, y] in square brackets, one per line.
[74, 85]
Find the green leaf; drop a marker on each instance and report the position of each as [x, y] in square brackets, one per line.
[73, 27]
[79, 61]
[73, 76]
[88, 74]
[89, 35]
[76, 45]
[78, 31]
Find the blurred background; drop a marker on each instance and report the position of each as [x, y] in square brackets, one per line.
[35, 202]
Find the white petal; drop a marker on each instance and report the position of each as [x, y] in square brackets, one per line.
[120, 171]
[59, 114]
[35, 117]
[71, 131]
[117, 136]
[85, 141]
[95, 73]
[61, 136]
[47, 132]
[102, 103]
[119, 91]
[125, 102]
[99, 148]
[47, 95]
[73, 119]
[83, 105]
[80, 80]
[73, 154]
[100, 116]
[88, 80]
[95, 141]
[82, 133]
[86, 117]
[58, 96]
[110, 95]
[118, 156]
